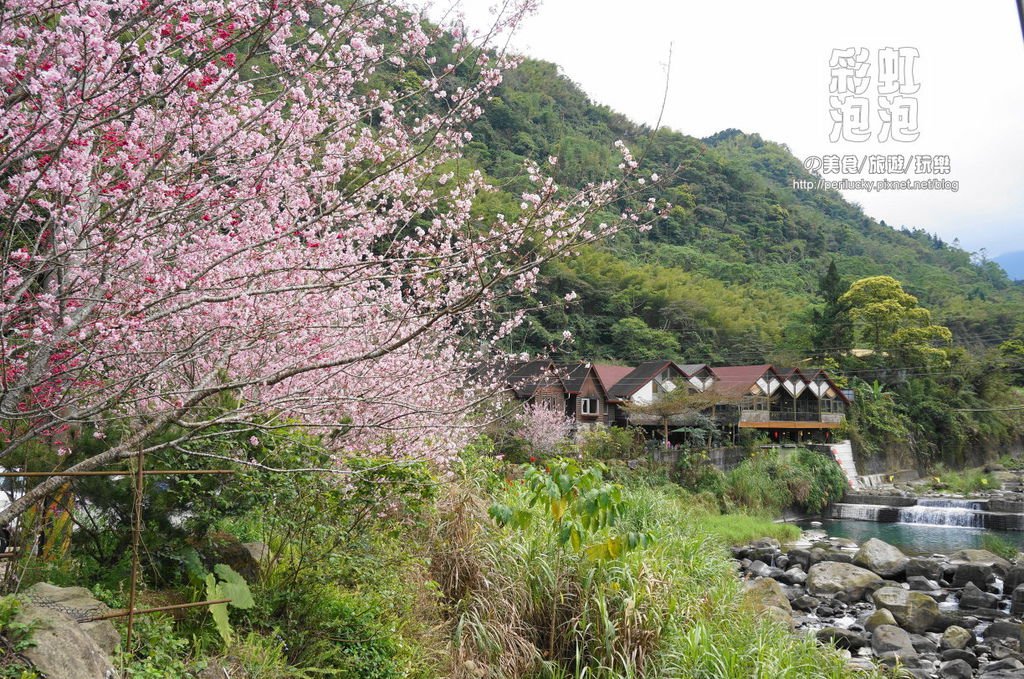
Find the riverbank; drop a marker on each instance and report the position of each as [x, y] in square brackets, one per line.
[951, 616]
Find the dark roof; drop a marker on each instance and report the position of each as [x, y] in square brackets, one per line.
[641, 375]
[526, 378]
[691, 369]
[609, 375]
[572, 375]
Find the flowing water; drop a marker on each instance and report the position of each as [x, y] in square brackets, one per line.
[916, 538]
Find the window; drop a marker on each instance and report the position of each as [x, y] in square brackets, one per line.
[590, 406]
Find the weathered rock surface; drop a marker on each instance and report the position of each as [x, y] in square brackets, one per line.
[981, 557]
[980, 574]
[766, 593]
[914, 611]
[64, 648]
[832, 579]
[972, 597]
[881, 558]
[955, 669]
[878, 618]
[956, 637]
[889, 641]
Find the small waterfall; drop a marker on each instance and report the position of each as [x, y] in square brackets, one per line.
[858, 512]
[959, 516]
[953, 503]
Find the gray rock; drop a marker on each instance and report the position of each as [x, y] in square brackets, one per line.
[842, 638]
[881, 558]
[955, 669]
[926, 568]
[919, 583]
[794, 576]
[978, 573]
[806, 602]
[972, 597]
[956, 637]
[1004, 664]
[759, 568]
[923, 644]
[831, 578]
[1003, 630]
[878, 618]
[64, 648]
[801, 557]
[766, 593]
[981, 557]
[889, 641]
[914, 611]
[1014, 578]
[960, 654]
[1017, 601]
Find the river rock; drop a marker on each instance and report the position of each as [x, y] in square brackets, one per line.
[1014, 578]
[62, 647]
[840, 580]
[919, 583]
[981, 557]
[1006, 664]
[956, 637]
[955, 669]
[759, 568]
[801, 557]
[923, 644]
[806, 602]
[960, 654]
[1002, 629]
[1017, 601]
[978, 573]
[972, 597]
[889, 641]
[766, 593]
[927, 568]
[794, 576]
[878, 618]
[842, 638]
[881, 558]
[914, 611]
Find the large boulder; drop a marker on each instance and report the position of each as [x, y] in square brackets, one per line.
[981, 557]
[840, 580]
[766, 593]
[956, 637]
[914, 611]
[972, 597]
[955, 669]
[978, 573]
[881, 558]
[1017, 601]
[63, 647]
[888, 641]
[924, 567]
[248, 559]
[842, 638]
[1014, 578]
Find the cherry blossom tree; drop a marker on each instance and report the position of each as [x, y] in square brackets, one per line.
[231, 215]
[545, 427]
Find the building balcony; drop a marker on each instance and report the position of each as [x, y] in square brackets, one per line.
[765, 419]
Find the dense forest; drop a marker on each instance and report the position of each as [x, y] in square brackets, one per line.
[746, 269]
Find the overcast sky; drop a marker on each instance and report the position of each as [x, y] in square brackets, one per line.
[764, 67]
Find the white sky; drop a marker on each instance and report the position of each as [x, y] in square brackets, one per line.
[763, 67]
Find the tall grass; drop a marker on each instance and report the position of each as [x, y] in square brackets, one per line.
[673, 609]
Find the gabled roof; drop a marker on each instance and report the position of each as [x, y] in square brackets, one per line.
[572, 375]
[691, 369]
[738, 380]
[609, 375]
[526, 378]
[638, 377]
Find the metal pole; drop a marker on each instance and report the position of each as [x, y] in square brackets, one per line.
[158, 609]
[123, 472]
[136, 535]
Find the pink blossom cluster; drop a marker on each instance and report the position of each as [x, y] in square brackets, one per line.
[203, 197]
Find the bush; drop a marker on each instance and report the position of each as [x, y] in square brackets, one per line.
[767, 483]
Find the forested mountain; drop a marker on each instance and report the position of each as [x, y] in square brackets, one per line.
[732, 274]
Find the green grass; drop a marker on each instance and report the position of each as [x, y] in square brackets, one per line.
[964, 482]
[735, 529]
[672, 609]
[999, 546]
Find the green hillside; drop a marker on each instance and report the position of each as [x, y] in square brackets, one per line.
[733, 273]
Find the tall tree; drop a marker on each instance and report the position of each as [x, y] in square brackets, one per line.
[893, 323]
[232, 215]
[833, 334]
